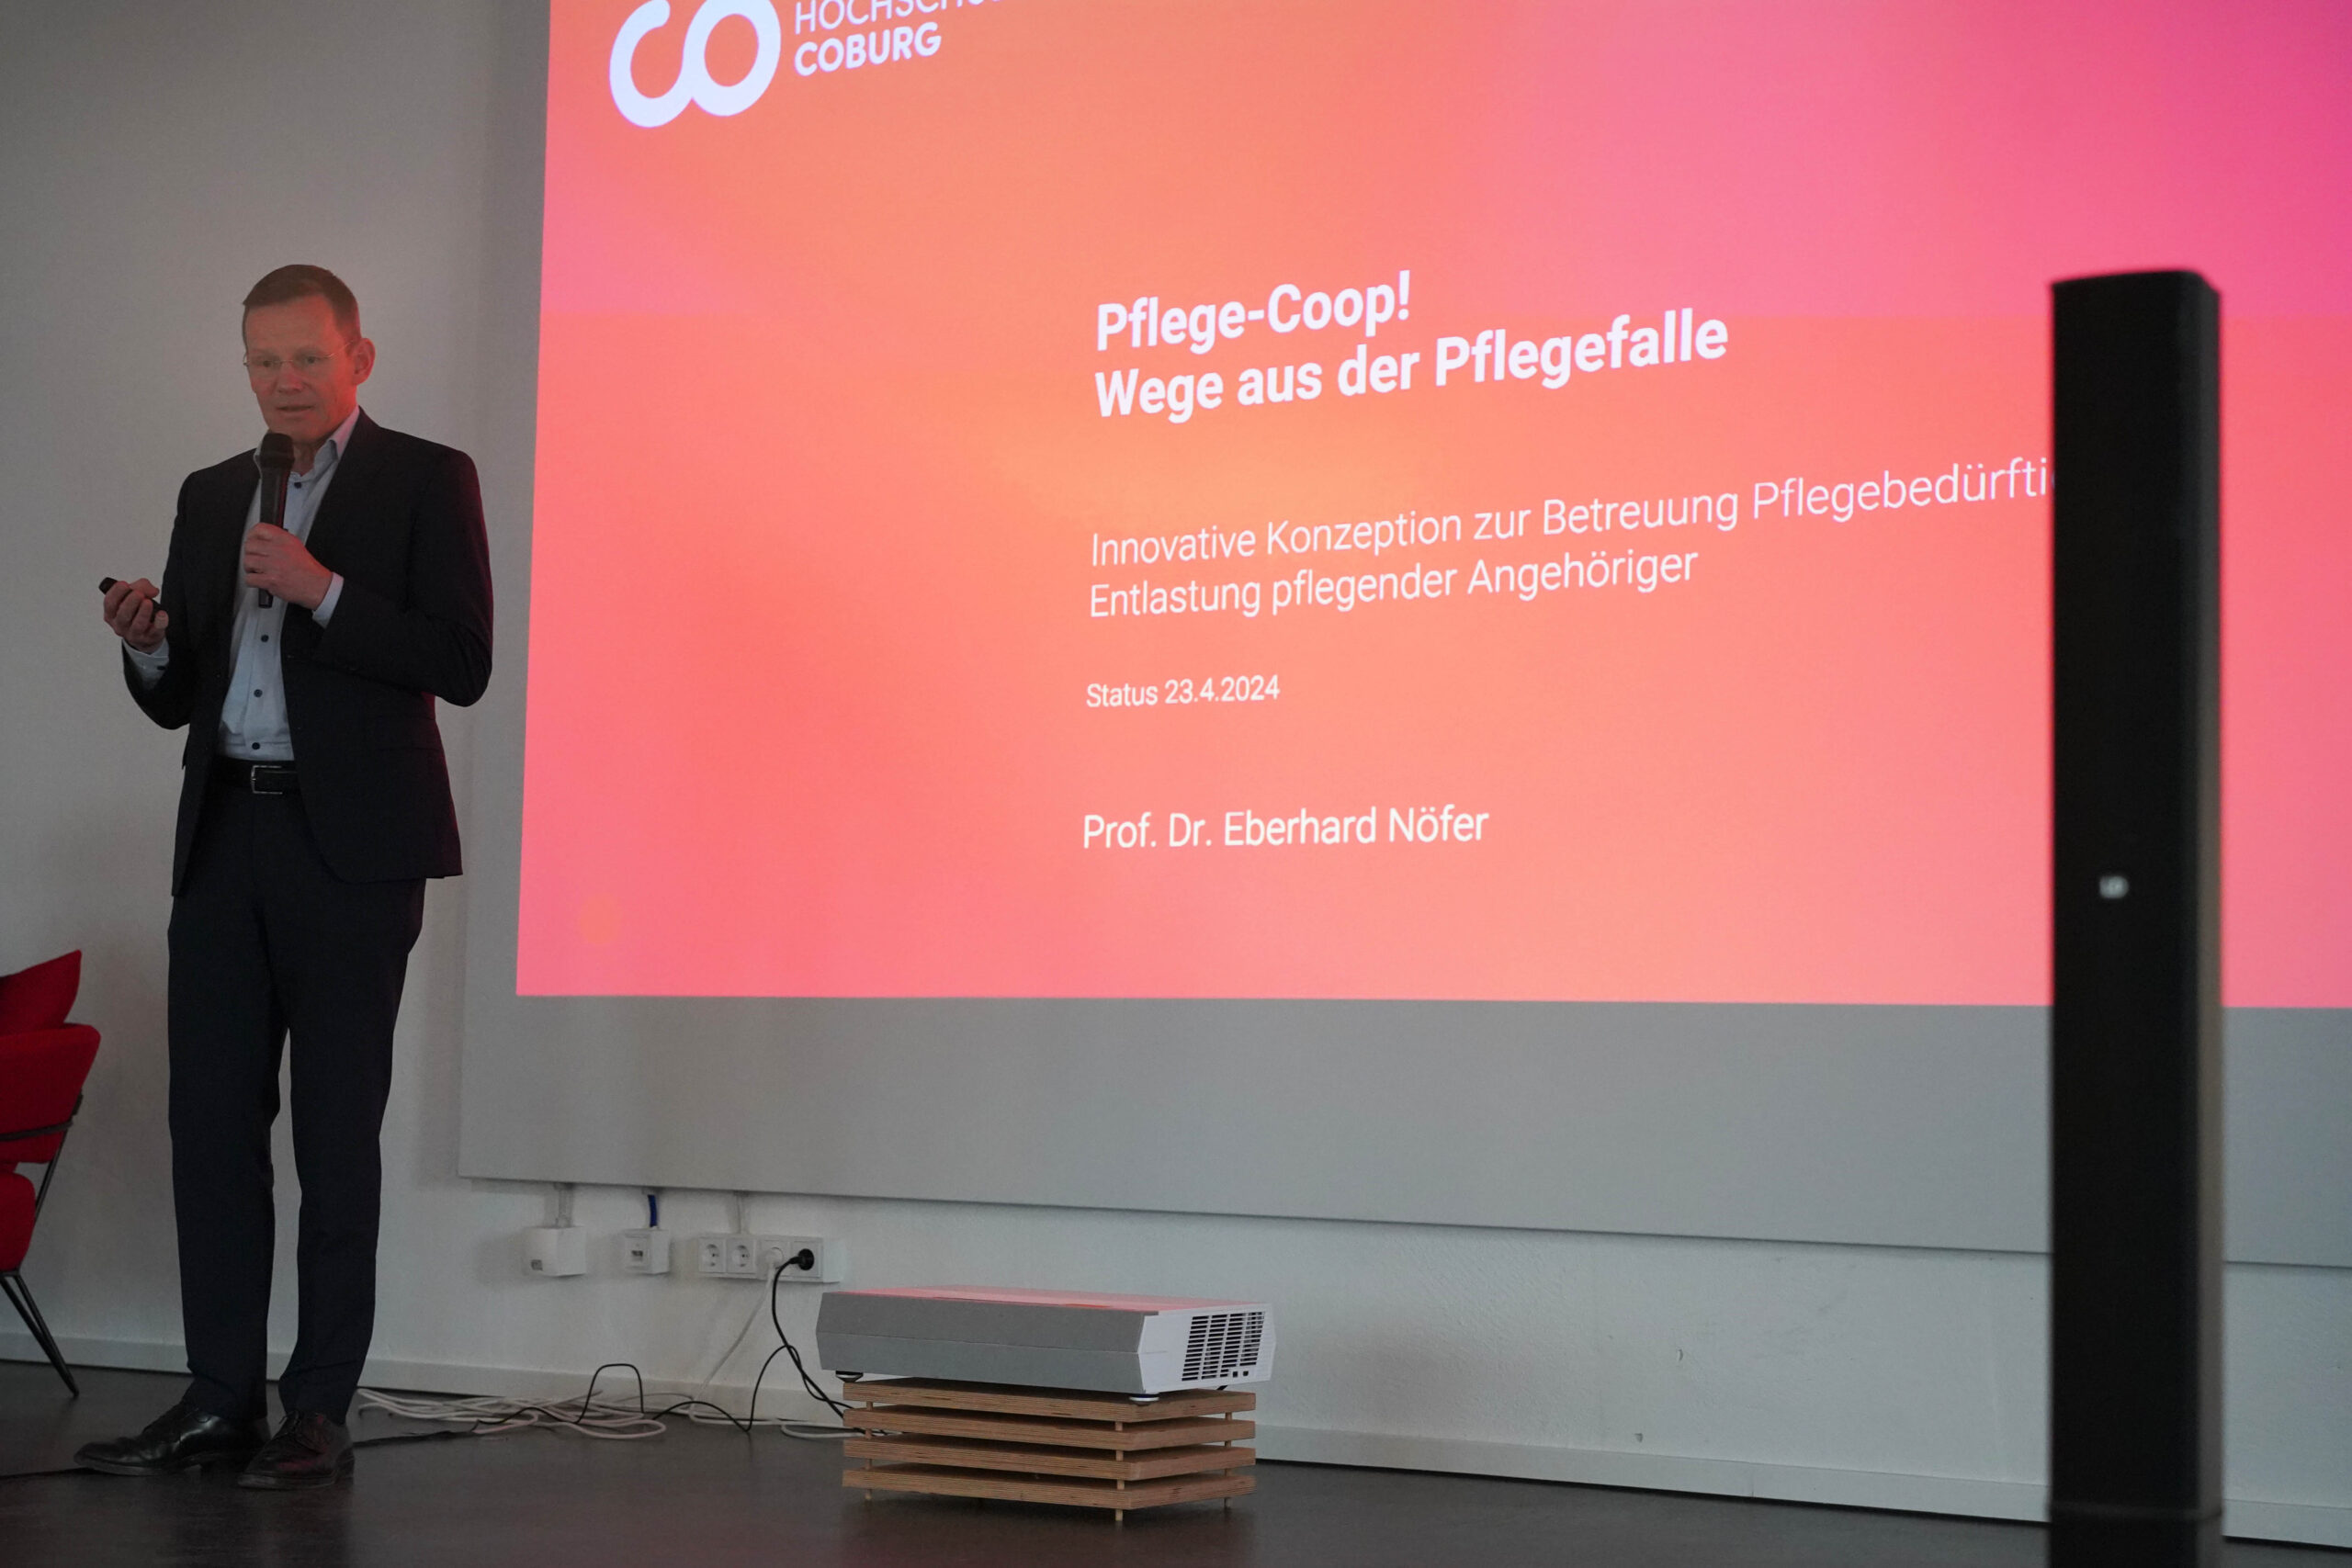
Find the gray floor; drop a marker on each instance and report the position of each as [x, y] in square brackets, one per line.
[713, 1499]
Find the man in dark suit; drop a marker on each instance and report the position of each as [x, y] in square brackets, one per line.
[304, 661]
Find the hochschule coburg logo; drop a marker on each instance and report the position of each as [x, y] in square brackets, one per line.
[875, 39]
[695, 85]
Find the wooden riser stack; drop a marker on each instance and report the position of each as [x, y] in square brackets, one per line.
[1032, 1445]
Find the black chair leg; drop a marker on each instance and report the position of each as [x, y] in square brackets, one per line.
[21, 1296]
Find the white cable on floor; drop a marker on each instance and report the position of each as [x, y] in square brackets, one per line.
[491, 1417]
[488, 1415]
[591, 1418]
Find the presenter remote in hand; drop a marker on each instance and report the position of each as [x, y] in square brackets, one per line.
[302, 644]
[132, 614]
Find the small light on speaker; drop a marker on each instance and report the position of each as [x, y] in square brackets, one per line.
[2114, 887]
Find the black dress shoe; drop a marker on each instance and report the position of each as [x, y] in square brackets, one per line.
[308, 1450]
[181, 1437]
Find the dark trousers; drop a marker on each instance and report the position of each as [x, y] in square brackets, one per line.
[264, 939]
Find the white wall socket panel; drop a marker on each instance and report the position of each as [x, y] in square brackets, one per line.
[830, 1253]
[555, 1251]
[745, 1256]
[646, 1251]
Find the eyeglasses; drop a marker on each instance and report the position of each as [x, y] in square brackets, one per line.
[266, 366]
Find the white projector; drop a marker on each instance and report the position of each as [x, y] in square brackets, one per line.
[1045, 1339]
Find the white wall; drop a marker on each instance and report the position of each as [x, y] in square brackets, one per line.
[155, 159]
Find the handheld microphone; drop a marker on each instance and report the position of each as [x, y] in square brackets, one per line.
[276, 460]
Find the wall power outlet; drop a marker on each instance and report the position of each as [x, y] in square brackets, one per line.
[747, 1257]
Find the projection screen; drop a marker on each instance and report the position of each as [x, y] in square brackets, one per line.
[1397, 610]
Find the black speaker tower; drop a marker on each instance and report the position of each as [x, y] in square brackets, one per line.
[2135, 1024]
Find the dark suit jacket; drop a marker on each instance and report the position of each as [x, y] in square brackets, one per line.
[402, 520]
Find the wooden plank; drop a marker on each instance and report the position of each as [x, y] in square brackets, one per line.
[1072, 1492]
[1070, 1403]
[991, 1428]
[959, 1453]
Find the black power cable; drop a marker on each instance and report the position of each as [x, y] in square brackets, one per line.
[803, 1259]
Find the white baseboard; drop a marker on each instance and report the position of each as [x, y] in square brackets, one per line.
[2303, 1523]
[1660, 1472]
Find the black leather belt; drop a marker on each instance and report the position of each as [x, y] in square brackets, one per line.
[256, 778]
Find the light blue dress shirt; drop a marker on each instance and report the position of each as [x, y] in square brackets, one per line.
[253, 726]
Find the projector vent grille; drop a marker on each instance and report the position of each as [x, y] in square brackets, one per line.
[1223, 1345]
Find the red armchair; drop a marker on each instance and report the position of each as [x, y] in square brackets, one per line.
[43, 1061]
